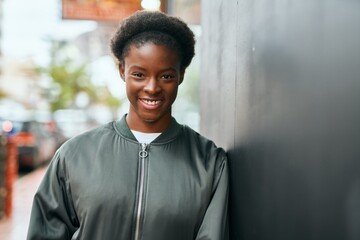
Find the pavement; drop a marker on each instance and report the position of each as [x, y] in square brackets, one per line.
[15, 227]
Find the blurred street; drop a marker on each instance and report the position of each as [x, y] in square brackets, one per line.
[15, 227]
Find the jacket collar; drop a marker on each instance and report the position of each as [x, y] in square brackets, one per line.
[170, 133]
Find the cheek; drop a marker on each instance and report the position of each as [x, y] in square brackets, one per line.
[173, 92]
[129, 91]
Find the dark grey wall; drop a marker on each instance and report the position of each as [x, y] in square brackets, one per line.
[280, 90]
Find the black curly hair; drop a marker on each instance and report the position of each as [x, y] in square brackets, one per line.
[155, 27]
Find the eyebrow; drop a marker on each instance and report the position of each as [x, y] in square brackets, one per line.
[137, 67]
[143, 69]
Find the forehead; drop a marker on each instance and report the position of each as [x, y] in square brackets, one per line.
[152, 54]
[158, 38]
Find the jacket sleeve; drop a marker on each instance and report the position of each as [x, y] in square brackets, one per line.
[215, 223]
[53, 215]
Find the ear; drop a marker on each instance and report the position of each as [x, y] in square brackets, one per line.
[122, 71]
[182, 73]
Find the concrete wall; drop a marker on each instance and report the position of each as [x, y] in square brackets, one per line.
[280, 90]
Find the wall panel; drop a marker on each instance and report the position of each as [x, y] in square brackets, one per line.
[286, 76]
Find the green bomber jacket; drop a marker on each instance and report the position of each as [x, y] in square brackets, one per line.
[104, 185]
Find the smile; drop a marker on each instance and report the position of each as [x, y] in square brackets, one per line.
[150, 104]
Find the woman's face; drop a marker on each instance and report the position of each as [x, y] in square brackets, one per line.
[152, 75]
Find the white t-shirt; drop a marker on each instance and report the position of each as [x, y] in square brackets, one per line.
[145, 137]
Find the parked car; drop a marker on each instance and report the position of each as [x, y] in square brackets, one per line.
[36, 145]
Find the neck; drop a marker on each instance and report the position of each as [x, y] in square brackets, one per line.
[148, 126]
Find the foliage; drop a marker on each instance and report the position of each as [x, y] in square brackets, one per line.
[2, 94]
[69, 77]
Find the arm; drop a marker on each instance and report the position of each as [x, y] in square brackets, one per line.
[215, 223]
[53, 215]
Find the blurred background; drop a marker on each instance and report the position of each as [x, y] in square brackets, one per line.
[280, 91]
[58, 79]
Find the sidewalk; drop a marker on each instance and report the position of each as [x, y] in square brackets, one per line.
[15, 227]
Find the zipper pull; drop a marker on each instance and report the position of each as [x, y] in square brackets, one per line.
[143, 153]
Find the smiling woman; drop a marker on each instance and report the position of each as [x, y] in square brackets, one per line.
[152, 75]
[144, 176]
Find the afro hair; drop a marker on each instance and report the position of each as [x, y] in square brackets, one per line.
[157, 27]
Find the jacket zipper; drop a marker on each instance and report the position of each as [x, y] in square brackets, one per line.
[142, 154]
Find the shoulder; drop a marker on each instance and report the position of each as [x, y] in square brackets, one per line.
[88, 138]
[191, 133]
[206, 144]
[213, 157]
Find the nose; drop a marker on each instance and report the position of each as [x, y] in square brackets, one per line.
[152, 86]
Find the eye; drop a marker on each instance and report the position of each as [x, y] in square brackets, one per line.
[137, 75]
[168, 76]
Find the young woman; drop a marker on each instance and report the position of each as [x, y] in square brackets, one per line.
[144, 176]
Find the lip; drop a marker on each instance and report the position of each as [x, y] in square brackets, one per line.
[150, 103]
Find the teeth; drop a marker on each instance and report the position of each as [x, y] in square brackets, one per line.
[151, 102]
